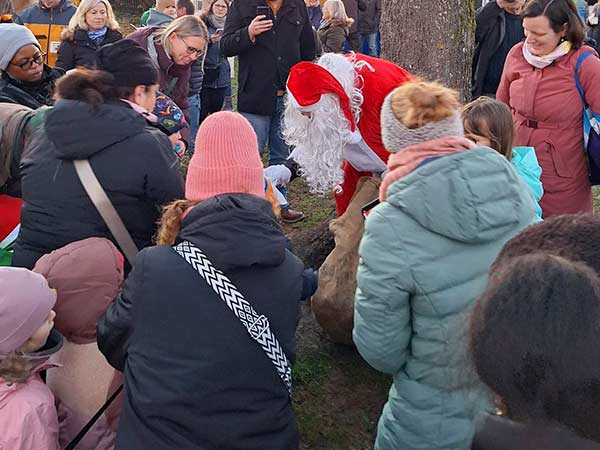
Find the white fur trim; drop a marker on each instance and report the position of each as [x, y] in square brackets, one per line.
[397, 137]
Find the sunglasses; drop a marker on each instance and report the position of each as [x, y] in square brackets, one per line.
[190, 50]
[36, 60]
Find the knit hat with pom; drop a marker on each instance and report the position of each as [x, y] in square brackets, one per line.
[226, 160]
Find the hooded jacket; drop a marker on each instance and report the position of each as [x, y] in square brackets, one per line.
[87, 276]
[499, 433]
[30, 94]
[47, 25]
[78, 50]
[187, 358]
[132, 160]
[425, 254]
[28, 419]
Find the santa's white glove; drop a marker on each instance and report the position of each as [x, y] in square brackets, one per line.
[278, 174]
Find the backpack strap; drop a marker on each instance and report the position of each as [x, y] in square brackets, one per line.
[256, 324]
[582, 58]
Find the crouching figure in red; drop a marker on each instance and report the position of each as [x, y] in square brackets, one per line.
[332, 118]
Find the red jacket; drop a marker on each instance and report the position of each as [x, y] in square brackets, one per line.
[548, 115]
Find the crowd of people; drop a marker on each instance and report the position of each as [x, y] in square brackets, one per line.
[149, 297]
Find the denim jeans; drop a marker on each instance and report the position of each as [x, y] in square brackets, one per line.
[194, 114]
[371, 40]
[268, 128]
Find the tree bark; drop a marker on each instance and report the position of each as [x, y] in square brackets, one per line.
[433, 39]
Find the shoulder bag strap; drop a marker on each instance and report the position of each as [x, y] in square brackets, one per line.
[106, 209]
[256, 324]
[93, 420]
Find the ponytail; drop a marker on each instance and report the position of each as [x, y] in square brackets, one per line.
[170, 221]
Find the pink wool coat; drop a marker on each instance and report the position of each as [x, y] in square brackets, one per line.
[548, 115]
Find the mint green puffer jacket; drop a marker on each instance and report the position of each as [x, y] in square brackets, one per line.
[425, 254]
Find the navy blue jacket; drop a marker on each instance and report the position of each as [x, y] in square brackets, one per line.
[194, 378]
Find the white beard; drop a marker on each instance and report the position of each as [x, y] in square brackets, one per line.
[319, 142]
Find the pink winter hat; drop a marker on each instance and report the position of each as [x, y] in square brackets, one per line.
[226, 159]
[25, 302]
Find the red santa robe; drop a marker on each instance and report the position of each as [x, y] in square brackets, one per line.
[378, 83]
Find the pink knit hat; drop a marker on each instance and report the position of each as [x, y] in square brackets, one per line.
[226, 159]
[25, 302]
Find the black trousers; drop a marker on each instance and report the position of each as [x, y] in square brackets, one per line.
[211, 101]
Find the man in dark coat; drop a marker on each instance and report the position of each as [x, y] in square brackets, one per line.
[267, 47]
[368, 26]
[352, 10]
[498, 28]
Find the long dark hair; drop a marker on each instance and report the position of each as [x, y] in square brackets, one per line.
[534, 341]
[559, 13]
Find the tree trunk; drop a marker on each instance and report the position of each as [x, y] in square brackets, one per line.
[431, 38]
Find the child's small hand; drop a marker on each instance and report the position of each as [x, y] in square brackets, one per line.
[179, 148]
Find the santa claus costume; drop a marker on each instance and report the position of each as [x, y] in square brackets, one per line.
[332, 118]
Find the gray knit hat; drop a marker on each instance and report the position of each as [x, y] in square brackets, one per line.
[397, 137]
[13, 38]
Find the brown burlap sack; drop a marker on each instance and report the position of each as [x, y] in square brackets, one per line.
[333, 303]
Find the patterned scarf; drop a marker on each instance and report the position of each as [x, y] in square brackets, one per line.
[97, 36]
[544, 61]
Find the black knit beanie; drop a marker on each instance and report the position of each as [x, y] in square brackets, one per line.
[128, 63]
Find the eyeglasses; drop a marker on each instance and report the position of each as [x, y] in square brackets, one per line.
[36, 60]
[190, 50]
[220, 6]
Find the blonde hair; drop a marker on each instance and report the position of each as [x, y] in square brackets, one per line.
[78, 19]
[15, 367]
[184, 26]
[417, 103]
[337, 12]
[162, 4]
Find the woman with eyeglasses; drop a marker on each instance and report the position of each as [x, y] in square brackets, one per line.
[24, 78]
[217, 72]
[173, 49]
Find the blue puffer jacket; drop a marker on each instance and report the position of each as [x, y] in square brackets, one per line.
[424, 258]
[215, 61]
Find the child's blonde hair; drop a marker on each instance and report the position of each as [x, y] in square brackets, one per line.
[493, 120]
[15, 367]
[337, 12]
[417, 103]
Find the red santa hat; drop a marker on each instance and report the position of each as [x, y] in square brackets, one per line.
[309, 81]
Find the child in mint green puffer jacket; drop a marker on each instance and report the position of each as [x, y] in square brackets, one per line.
[489, 123]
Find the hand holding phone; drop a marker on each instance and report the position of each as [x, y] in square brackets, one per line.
[261, 23]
